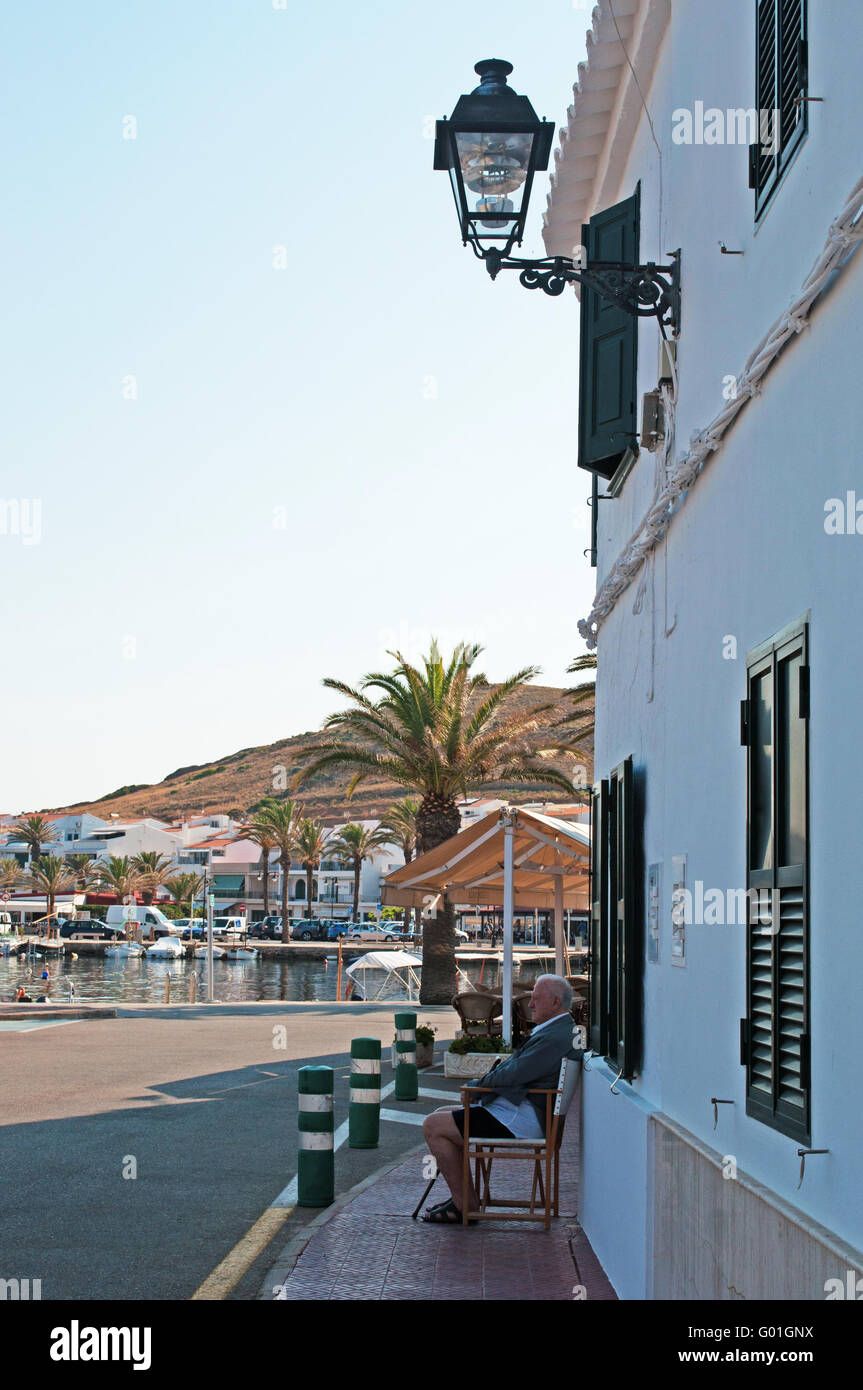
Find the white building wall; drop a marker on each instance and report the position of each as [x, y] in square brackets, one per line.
[745, 556]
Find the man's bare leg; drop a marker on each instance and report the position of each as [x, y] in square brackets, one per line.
[445, 1142]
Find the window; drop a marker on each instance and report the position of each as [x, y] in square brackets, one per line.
[775, 1032]
[608, 349]
[615, 935]
[781, 82]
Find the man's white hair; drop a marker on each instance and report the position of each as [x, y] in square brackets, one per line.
[561, 987]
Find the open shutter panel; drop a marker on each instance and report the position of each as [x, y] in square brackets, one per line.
[776, 1053]
[608, 350]
[781, 79]
[629, 956]
[598, 917]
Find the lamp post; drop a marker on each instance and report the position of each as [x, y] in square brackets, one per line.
[491, 146]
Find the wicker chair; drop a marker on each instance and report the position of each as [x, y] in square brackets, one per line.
[479, 1013]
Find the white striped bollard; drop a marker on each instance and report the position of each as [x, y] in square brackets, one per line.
[406, 1057]
[315, 1168]
[364, 1111]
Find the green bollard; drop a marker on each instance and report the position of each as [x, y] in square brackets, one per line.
[315, 1169]
[406, 1053]
[364, 1111]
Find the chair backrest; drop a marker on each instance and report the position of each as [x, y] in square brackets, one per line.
[570, 1070]
[476, 1009]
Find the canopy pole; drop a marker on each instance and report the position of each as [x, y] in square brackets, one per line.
[559, 927]
[508, 819]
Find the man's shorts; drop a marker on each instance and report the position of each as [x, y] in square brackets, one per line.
[483, 1125]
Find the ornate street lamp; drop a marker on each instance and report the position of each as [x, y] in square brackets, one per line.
[492, 146]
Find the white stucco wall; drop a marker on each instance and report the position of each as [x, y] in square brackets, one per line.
[746, 555]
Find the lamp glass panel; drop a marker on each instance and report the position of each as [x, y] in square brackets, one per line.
[494, 167]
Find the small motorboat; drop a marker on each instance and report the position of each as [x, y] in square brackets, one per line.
[124, 949]
[200, 953]
[241, 953]
[166, 948]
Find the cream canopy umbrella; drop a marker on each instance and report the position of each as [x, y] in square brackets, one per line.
[514, 858]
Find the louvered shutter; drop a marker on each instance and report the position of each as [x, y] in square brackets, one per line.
[781, 79]
[599, 918]
[624, 935]
[608, 350]
[776, 1029]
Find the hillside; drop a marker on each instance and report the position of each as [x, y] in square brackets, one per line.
[236, 782]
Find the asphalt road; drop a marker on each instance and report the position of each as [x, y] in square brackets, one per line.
[200, 1104]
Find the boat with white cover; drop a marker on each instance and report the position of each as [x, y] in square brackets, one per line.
[166, 948]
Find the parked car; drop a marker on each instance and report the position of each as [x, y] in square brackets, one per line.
[270, 929]
[91, 928]
[370, 933]
[337, 929]
[309, 930]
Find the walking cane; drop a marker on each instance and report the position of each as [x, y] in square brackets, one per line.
[422, 1201]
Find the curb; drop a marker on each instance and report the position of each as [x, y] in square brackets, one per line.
[47, 1011]
[283, 1266]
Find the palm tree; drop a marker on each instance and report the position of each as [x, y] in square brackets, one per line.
[154, 869]
[401, 821]
[441, 731]
[185, 888]
[283, 819]
[85, 869]
[259, 833]
[35, 831]
[118, 874]
[354, 844]
[52, 875]
[310, 845]
[11, 873]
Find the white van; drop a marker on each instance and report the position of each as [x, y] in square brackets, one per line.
[131, 916]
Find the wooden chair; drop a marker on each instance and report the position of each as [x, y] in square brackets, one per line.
[478, 1013]
[544, 1154]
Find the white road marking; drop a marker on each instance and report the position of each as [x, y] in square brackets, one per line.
[21, 1025]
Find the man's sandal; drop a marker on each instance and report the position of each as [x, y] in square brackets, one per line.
[446, 1214]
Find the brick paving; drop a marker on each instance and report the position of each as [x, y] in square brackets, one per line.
[369, 1249]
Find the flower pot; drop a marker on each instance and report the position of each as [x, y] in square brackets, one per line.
[468, 1064]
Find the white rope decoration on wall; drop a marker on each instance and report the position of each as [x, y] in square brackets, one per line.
[842, 238]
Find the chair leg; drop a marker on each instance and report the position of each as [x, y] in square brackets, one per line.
[548, 1193]
[557, 1182]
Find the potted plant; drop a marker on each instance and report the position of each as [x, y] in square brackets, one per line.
[471, 1057]
[425, 1046]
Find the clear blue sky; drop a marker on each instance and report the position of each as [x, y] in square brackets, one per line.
[416, 422]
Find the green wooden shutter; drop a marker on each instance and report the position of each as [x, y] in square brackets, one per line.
[609, 347]
[776, 1030]
[628, 952]
[599, 918]
[781, 77]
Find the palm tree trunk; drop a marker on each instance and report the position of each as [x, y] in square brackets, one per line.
[438, 820]
[286, 921]
[406, 924]
[309, 873]
[265, 858]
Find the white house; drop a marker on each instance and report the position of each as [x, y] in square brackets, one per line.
[727, 944]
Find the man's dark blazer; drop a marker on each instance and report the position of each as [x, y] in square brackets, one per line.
[536, 1063]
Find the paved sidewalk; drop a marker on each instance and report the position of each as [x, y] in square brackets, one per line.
[369, 1248]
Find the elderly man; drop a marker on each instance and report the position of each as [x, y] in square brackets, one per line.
[510, 1112]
